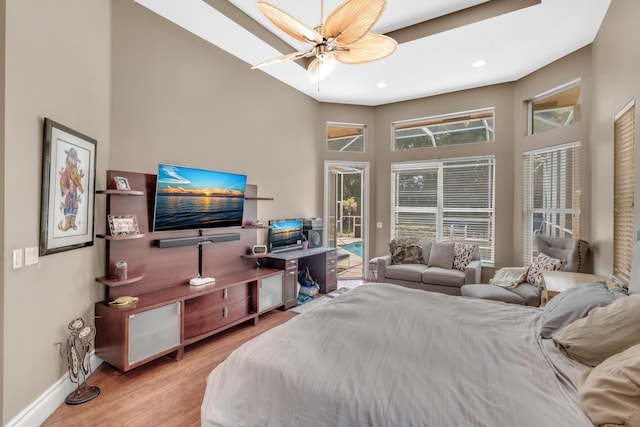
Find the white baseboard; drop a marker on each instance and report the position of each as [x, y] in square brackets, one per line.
[38, 411]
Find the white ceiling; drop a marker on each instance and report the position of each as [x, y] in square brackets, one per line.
[513, 44]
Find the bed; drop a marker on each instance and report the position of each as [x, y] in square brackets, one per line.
[383, 354]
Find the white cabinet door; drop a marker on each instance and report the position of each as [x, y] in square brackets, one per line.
[270, 292]
[154, 331]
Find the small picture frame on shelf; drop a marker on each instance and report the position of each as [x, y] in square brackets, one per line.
[122, 183]
[123, 224]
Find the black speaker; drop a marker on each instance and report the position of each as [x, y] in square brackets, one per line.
[314, 237]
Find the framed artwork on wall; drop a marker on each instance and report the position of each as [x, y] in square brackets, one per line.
[68, 189]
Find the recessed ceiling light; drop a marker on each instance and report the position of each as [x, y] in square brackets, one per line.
[381, 84]
[479, 63]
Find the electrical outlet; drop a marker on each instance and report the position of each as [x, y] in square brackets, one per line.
[379, 224]
[31, 256]
[17, 258]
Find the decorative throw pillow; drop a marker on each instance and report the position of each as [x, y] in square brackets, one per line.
[442, 254]
[406, 250]
[540, 264]
[463, 254]
[611, 391]
[573, 304]
[604, 332]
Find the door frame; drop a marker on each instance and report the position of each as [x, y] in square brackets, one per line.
[364, 166]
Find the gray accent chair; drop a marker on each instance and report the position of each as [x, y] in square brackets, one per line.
[573, 251]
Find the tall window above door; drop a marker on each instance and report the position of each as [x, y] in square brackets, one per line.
[556, 108]
[444, 130]
[345, 137]
[551, 195]
[446, 200]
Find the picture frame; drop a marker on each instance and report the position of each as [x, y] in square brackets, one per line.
[122, 183]
[68, 189]
[120, 225]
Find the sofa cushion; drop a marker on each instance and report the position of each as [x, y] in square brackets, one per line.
[463, 255]
[530, 293]
[426, 251]
[409, 272]
[443, 276]
[405, 250]
[442, 255]
[542, 263]
[491, 292]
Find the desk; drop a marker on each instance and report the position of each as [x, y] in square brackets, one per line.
[322, 264]
[554, 282]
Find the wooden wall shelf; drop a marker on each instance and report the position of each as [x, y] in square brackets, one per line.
[256, 256]
[112, 281]
[121, 236]
[121, 192]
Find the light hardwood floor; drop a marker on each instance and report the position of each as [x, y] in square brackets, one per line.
[163, 392]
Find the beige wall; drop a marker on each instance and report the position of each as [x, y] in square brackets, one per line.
[498, 96]
[3, 6]
[177, 99]
[616, 61]
[149, 92]
[565, 70]
[57, 66]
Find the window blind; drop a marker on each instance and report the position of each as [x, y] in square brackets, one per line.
[447, 200]
[551, 195]
[623, 191]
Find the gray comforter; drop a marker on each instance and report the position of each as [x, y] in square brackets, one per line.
[385, 355]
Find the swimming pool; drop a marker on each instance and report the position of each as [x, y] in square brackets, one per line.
[355, 248]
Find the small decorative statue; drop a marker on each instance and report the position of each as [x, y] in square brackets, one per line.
[77, 351]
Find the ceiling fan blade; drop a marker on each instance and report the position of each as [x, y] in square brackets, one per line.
[352, 20]
[371, 47]
[288, 57]
[289, 24]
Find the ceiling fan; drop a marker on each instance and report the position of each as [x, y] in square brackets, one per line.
[343, 37]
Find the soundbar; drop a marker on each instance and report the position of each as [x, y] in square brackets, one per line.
[198, 240]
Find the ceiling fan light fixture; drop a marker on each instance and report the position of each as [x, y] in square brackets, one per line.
[320, 68]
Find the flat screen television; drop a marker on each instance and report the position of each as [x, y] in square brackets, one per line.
[194, 199]
[285, 234]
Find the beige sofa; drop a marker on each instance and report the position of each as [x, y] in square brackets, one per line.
[431, 266]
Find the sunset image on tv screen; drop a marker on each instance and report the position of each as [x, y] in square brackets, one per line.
[190, 198]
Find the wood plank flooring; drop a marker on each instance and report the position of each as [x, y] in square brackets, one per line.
[163, 392]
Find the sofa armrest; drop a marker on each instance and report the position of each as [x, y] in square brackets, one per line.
[383, 262]
[473, 272]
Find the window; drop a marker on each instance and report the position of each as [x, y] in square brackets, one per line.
[556, 108]
[551, 195]
[450, 200]
[449, 129]
[345, 137]
[623, 189]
